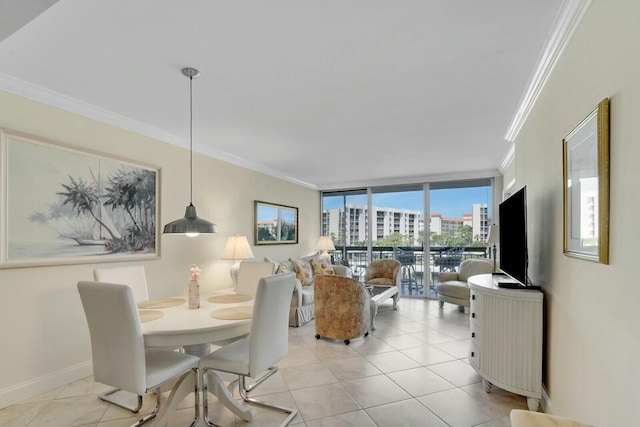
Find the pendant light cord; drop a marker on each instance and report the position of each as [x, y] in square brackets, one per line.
[191, 140]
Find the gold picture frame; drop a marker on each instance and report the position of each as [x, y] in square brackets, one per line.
[585, 161]
[275, 224]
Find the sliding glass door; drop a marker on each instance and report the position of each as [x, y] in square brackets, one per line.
[389, 222]
[459, 220]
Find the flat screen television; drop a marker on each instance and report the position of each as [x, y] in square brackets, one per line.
[514, 258]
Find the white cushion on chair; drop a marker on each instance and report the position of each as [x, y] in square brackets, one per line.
[268, 340]
[163, 364]
[232, 358]
[454, 288]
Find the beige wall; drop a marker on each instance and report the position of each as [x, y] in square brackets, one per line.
[43, 332]
[592, 363]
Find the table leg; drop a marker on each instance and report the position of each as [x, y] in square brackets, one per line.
[220, 390]
[373, 308]
[184, 386]
[217, 385]
[200, 350]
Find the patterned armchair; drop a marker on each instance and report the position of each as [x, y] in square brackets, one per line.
[385, 272]
[342, 308]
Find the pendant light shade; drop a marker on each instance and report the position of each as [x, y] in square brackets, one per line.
[190, 225]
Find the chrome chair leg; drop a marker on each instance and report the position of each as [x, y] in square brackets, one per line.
[272, 370]
[241, 388]
[118, 397]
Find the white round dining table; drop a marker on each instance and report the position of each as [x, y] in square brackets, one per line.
[195, 330]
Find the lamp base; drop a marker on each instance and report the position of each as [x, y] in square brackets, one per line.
[233, 272]
[494, 257]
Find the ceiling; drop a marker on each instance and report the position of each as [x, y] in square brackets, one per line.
[328, 93]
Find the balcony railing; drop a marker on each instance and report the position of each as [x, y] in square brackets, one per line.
[357, 259]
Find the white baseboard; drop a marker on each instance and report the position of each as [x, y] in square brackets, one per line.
[29, 389]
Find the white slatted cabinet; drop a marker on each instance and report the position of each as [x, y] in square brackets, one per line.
[506, 338]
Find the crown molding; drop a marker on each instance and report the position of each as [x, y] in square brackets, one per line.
[508, 159]
[55, 99]
[567, 20]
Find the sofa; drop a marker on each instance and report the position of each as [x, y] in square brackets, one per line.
[301, 310]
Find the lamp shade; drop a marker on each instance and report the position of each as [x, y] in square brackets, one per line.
[190, 225]
[325, 244]
[237, 248]
[493, 236]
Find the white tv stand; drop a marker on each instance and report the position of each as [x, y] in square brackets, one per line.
[506, 337]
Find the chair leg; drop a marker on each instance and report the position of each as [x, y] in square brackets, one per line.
[272, 370]
[117, 397]
[186, 384]
[292, 412]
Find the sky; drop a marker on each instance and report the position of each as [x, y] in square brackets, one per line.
[451, 203]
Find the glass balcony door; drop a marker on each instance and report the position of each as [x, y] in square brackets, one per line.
[459, 220]
[398, 232]
[389, 222]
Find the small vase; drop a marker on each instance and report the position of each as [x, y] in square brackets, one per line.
[194, 294]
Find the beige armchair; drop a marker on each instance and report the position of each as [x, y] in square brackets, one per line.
[342, 308]
[452, 286]
[384, 272]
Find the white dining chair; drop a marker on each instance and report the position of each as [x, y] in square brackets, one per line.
[132, 275]
[135, 277]
[250, 273]
[121, 360]
[268, 342]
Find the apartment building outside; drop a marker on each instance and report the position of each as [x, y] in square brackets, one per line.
[335, 222]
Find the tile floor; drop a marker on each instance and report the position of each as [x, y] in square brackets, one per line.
[411, 371]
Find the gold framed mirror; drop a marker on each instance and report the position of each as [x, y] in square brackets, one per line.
[585, 156]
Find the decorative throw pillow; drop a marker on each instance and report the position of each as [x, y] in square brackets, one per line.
[322, 266]
[303, 271]
[281, 267]
[315, 256]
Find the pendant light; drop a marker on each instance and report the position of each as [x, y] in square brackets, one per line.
[190, 225]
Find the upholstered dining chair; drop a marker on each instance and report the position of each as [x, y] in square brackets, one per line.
[132, 275]
[268, 342]
[120, 358]
[135, 277]
[250, 273]
[342, 308]
[385, 272]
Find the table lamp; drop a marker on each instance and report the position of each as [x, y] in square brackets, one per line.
[493, 237]
[325, 244]
[237, 249]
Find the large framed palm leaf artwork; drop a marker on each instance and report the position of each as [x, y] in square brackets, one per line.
[65, 205]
